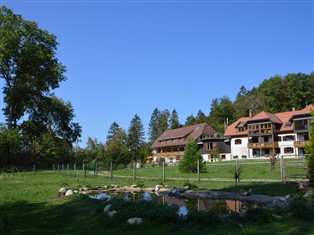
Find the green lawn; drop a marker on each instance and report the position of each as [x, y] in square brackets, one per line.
[28, 205]
[251, 169]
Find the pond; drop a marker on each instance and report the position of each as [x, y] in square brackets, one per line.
[184, 205]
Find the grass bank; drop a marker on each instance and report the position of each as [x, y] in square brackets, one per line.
[28, 205]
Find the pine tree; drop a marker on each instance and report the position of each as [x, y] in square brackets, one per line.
[174, 120]
[164, 121]
[154, 125]
[135, 138]
[191, 155]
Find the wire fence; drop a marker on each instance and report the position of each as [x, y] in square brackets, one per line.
[285, 168]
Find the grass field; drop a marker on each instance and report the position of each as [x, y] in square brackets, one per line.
[28, 205]
[251, 169]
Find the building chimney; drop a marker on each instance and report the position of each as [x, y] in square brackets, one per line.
[250, 113]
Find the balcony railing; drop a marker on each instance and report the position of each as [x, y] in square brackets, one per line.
[169, 154]
[300, 144]
[263, 145]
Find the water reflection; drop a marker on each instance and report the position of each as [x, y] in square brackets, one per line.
[183, 205]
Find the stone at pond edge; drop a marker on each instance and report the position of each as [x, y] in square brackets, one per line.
[69, 192]
[107, 208]
[62, 190]
[135, 220]
[111, 213]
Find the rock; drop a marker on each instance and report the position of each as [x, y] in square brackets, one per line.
[80, 189]
[134, 186]
[62, 190]
[107, 208]
[158, 187]
[277, 216]
[135, 220]
[85, 189]
[111, 213]
[69, 192]
[75, 191]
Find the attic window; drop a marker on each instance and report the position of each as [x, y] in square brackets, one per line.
[288, 124]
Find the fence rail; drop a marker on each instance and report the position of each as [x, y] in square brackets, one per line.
[284, 169]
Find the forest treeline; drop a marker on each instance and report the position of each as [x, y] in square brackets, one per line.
[39, 127]
[275, 94]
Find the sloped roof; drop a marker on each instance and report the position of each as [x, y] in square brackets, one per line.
[279, 118]
[232, 129]
[194, 131]
[265, 116]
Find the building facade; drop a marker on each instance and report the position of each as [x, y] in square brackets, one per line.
[267, 134]
[171, 144]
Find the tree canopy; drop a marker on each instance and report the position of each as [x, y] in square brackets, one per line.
[31, 71]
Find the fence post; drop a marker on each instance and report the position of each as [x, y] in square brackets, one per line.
[75, 169]
[34, 168]
[163, 171]
[62, 168]
[111, 168]
[53, 167]
[95, 169]
[282, 169]
[68, 169]
[198, 171]
[58, 168]
[134, 170]
[84, 170]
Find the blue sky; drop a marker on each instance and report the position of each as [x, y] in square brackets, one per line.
[129, 57]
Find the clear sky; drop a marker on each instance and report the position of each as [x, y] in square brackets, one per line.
[129, 57]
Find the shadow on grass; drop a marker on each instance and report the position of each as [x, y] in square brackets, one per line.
[71, 217]
[271, 188]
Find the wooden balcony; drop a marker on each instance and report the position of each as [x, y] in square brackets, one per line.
[300, 144]
[169, 154]
[265, 145]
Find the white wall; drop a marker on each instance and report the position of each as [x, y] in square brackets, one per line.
[239, 149]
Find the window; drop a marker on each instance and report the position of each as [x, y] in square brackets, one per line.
[243, 156]
[288, 138]
[288, 150]
[238, 141]
[235, 157]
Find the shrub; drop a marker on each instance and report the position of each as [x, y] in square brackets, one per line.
[258, 215]
[299, 208]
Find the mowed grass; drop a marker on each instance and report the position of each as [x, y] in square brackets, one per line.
[251, 169]
[29, 205]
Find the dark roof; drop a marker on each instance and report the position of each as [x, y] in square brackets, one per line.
[194, 131]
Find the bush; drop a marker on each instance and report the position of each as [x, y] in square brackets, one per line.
[201, 219]
[299, 208]
[258, 215]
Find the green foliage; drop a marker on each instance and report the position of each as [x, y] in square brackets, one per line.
[221, 110]
[149, 211]
[191, 156]
[116, 151]
[299, 208]
[201, 219]
[11, 145]
[135, 138]
[309, 148]
[174, 120]
[154, 126]
[31, 71]
[258, 215]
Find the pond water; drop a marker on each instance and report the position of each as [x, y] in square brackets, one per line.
[183, 205]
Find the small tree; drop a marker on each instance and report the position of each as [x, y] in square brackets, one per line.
[190, 158]
[309, 148]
